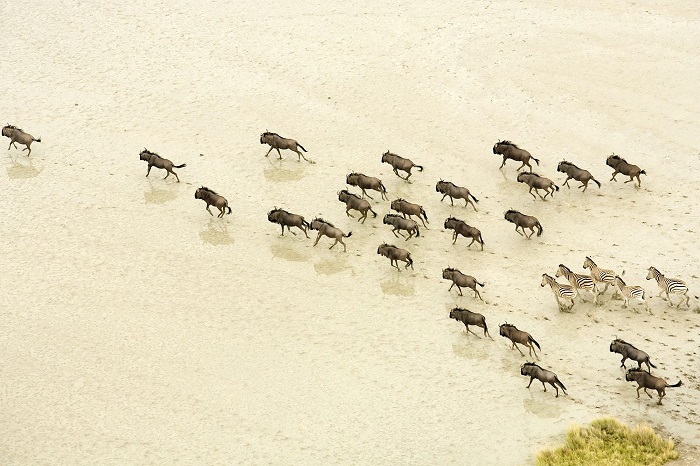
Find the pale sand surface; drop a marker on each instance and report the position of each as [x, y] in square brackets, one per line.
[138, 329]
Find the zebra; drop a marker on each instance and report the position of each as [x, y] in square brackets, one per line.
[670, 285]
[628, 292]
[601, 275]
[580, 282]
[559, 290]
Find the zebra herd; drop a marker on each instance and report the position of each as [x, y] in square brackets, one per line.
[564, 294]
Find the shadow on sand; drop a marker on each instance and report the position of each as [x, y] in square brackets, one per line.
[216, 233]
[20, 171]
[164, 192]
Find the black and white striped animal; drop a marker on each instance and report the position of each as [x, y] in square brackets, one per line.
[629, 292]
[670, 285]
[578, 281]
[602, 276]
[559, 290]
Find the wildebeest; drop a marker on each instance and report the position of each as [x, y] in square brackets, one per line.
[155, 160]
[578, 174]
[278, 142]
[354, 202]
[537, 182]
[511, 332]
[400, 163]
[286, 219]
[459, 227]
[17, 135]
[523, 221]
[328, 229]
[409, 208]
[460, 279]
[627, 350]
[400, 223]
[212, 198]
[447, 188]
[468, 318]
[366, 182]
[395, 255]
[543, 375]
[620, 165]
[510, 151]
[646, 380]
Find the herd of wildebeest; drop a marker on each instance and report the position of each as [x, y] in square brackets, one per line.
[404, 222]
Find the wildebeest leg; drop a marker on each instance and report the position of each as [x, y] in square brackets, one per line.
[566, 182]
[523, 354]
[469, 331]
[149, 170]
[223, 210]
[213, 215]
[648, 394]
[282, 230]
[318, 237]
[408, 176]
[532, 230]
[459, 289]
[278, 151]
[396, 262]
[504, 162]
[661, 396]
[363, 217]
[544, 386]
[469, 245]
[410, 235]
[454, 237]
[450, 288]
[364, 193]
[631, 179]
[345, 248]
[268, 152]
[167, 174]
[521, 166]
[530, 191]
[622, 363]
[347, 212]
[336, 242]
[176, 177]
[613, 176]
[516, 230]
[538, 193]
[638, 388]
[531, 379]
[556, 388]
[477, 294]
[639, 181]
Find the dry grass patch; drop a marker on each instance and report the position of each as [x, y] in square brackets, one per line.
[608, 442]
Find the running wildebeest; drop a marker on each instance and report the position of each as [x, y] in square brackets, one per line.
[511, 332]
[620, 165]
[410, 209]
[155, 160]
[400, 163]
[400, 223]
[543, 375]
[285, 219]
[510, 151]
[646, 380]
[460, 279]
[17, 135]
[537, 182]
[366, 182]
[278, 142]
[461, 228]
[328, 229]
[447, 188]
[468, 318]
[354, 202]
[523, 221]
[629, 351]
[212, 198]
[578, 174]
[395, 255]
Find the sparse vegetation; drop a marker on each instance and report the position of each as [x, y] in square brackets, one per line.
[609, 442]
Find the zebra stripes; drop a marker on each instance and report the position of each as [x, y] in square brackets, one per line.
[670, 285]
[603, 276]
[629, 292]
[559, 290]
[578, 281]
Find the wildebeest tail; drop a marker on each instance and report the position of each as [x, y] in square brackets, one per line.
[556, 187]
[305, 223]
[644, 173]
[676, 384]
[348, 235]
[180, 166]
[536, 344]
[417, 232]
[420, 168]
[482, 239]
[558, 382]
[39, 140]
[480, 284]
[472, 196]
[649, 361]
[425, 216]
[539, 228]
[381, 185]
[301, 147]
[536, 161]
[374, 214]
[229, 209]
[596, 181]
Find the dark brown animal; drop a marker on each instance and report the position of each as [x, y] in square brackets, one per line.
[212, 198]
[523, 221]
[327, 229]
[400, 223]
[366, 182]
[575, 173]
[537, 182]
[468, 318]
[17, 135]
[646, 380]
[543, 375]
[285, 219]
[510, 151]
[395, 255]
[400, 163]
[278, 142]
[460, 279]
[629, 351]
[410, 209]
[354, 202]
[620, 165]
[512, 333]
[447, 188]
[459, 227]
[155, 160]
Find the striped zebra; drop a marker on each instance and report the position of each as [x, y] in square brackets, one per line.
[559, 290]
[602, 276]
[580, 282]
[628, 292]
[670, 285]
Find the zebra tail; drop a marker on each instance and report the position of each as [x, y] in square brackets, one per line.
[302, 147]
[536, 344]
[649, 361]
[539, 229]
[472, 196]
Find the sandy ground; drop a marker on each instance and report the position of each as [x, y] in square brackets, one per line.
[138, 329]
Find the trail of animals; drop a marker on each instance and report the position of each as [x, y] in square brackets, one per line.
[595, 283]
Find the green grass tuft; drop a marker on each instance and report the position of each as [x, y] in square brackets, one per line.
[608, 442]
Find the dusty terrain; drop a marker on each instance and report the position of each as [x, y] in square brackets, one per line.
[139, 329]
